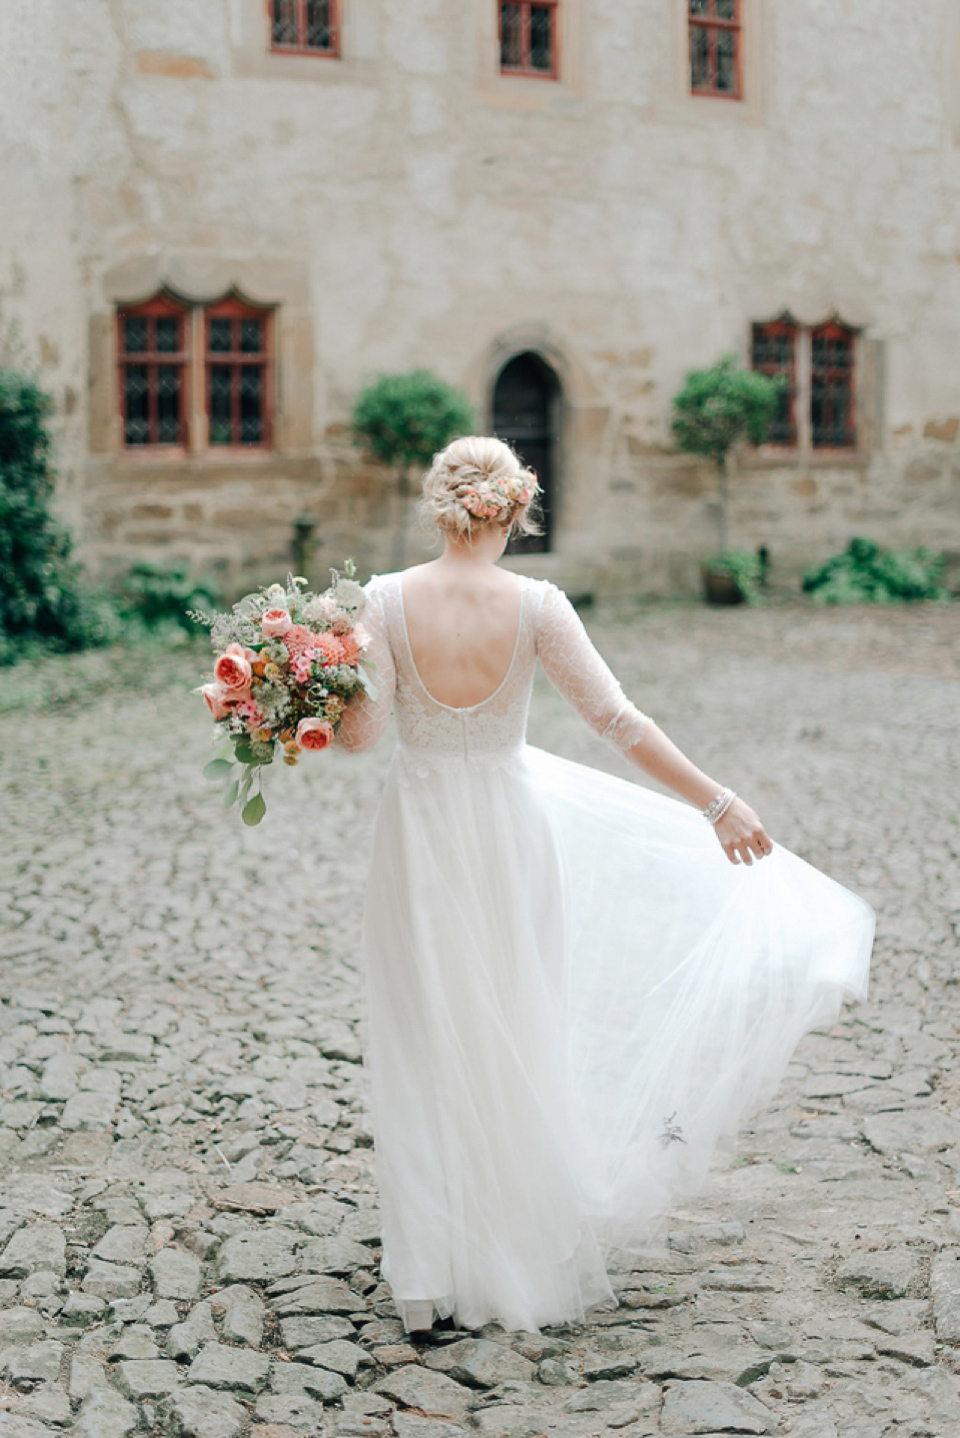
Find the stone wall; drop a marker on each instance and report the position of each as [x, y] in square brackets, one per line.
[407, 205]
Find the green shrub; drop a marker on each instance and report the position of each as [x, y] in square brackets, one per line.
[160, 596]
[867, 574]
[39, 583]
[747, 571]
[403, 419]
[718, 407]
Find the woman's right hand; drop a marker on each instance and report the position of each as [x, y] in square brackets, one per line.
[742, 836]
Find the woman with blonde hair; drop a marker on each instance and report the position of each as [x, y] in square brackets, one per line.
[573, 989]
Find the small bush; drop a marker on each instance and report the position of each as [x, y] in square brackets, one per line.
[403, 419]
[160, 596]
[867, 574]
[747, 571]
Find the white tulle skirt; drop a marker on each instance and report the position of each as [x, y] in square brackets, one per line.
[572, 995]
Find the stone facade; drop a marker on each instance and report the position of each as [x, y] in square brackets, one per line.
[407, 205]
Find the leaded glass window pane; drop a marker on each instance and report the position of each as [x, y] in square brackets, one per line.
[251, 336]
[134, 334]
[541, 48]
[168, 404]
[284, 22]
[251, 409]
[220, 335]
[319, 25]
[220, 393]
[511, 36]
[726, 61]
[698, 7]
[700, 58]
[726, 9]
[168, 333]
[136, 396]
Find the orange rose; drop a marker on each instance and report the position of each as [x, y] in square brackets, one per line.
[314, 734]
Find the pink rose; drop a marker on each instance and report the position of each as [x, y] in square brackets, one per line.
[215, 697]
[314, 733]
[234, 667]
[275, 623]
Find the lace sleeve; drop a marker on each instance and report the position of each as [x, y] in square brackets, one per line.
[575, 668]
[364, 719]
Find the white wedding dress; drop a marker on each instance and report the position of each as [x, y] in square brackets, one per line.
[572, 994]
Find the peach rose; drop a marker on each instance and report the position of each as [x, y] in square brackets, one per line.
[215, 698]
[351, 649]
[314, 734]
[275, 623]
[234, 668]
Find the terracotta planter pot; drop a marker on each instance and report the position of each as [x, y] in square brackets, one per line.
[720, 587]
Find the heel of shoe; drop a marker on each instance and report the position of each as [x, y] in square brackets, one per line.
[418, 1315]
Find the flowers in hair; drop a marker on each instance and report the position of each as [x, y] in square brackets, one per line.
[494, 498]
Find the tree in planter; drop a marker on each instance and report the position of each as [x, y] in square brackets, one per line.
[403, 419]
[40, 597]
[717, 408]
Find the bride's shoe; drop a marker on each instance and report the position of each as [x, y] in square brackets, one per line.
[418, 1315]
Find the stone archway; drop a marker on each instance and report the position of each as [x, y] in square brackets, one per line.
[527, 401]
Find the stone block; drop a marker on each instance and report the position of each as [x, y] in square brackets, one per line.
[260, 1255]
[187, 1338]
[175, 1274]
[123, 1243]
[323, 1295]
[479, 1363]
[89, 1109]
[432, 1393]
[241, 1369]
[887, 1274]
[34, 1248]
[111, 1280]
[198, 1412]
[698, 1407]
[945, 1292]
[147, 1378]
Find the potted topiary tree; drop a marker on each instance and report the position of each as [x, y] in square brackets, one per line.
[403, 419]
[715, 409]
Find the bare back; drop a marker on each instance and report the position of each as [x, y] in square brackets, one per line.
[462, 624]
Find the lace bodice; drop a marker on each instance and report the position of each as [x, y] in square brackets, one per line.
[549, 629]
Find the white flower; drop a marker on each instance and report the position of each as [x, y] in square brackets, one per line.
[349, 595]
[316, 610]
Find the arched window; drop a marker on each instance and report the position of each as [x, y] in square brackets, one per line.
[237, 343]
[152, 357]
[831, 387]
[774, 353]
[526, 413]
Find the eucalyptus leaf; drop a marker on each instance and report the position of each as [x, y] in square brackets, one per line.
[230, 794]
[246, 781]
[217, 769]
[253, 810]
[244, 751]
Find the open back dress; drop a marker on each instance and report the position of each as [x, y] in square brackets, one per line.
[571, 992]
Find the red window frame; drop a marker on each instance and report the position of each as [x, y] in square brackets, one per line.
[524, 18]
[156, 361]
[707, 24]
[833, 419]
[241, 363]
[773, 352]
[298, 12]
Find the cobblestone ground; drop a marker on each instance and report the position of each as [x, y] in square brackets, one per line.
[188, 1219]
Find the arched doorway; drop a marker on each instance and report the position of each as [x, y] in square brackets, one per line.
[526, 413]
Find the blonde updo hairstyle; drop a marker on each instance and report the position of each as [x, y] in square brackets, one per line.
[475, 481]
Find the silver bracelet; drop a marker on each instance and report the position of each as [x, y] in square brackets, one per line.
[718, 806]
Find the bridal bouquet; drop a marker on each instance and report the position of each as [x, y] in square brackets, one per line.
[288, 662]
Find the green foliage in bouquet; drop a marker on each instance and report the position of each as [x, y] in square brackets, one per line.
[866, 574]
[289, 662]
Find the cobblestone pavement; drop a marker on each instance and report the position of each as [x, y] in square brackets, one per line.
[188, 1220]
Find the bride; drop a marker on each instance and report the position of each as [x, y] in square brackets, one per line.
[573, 988]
